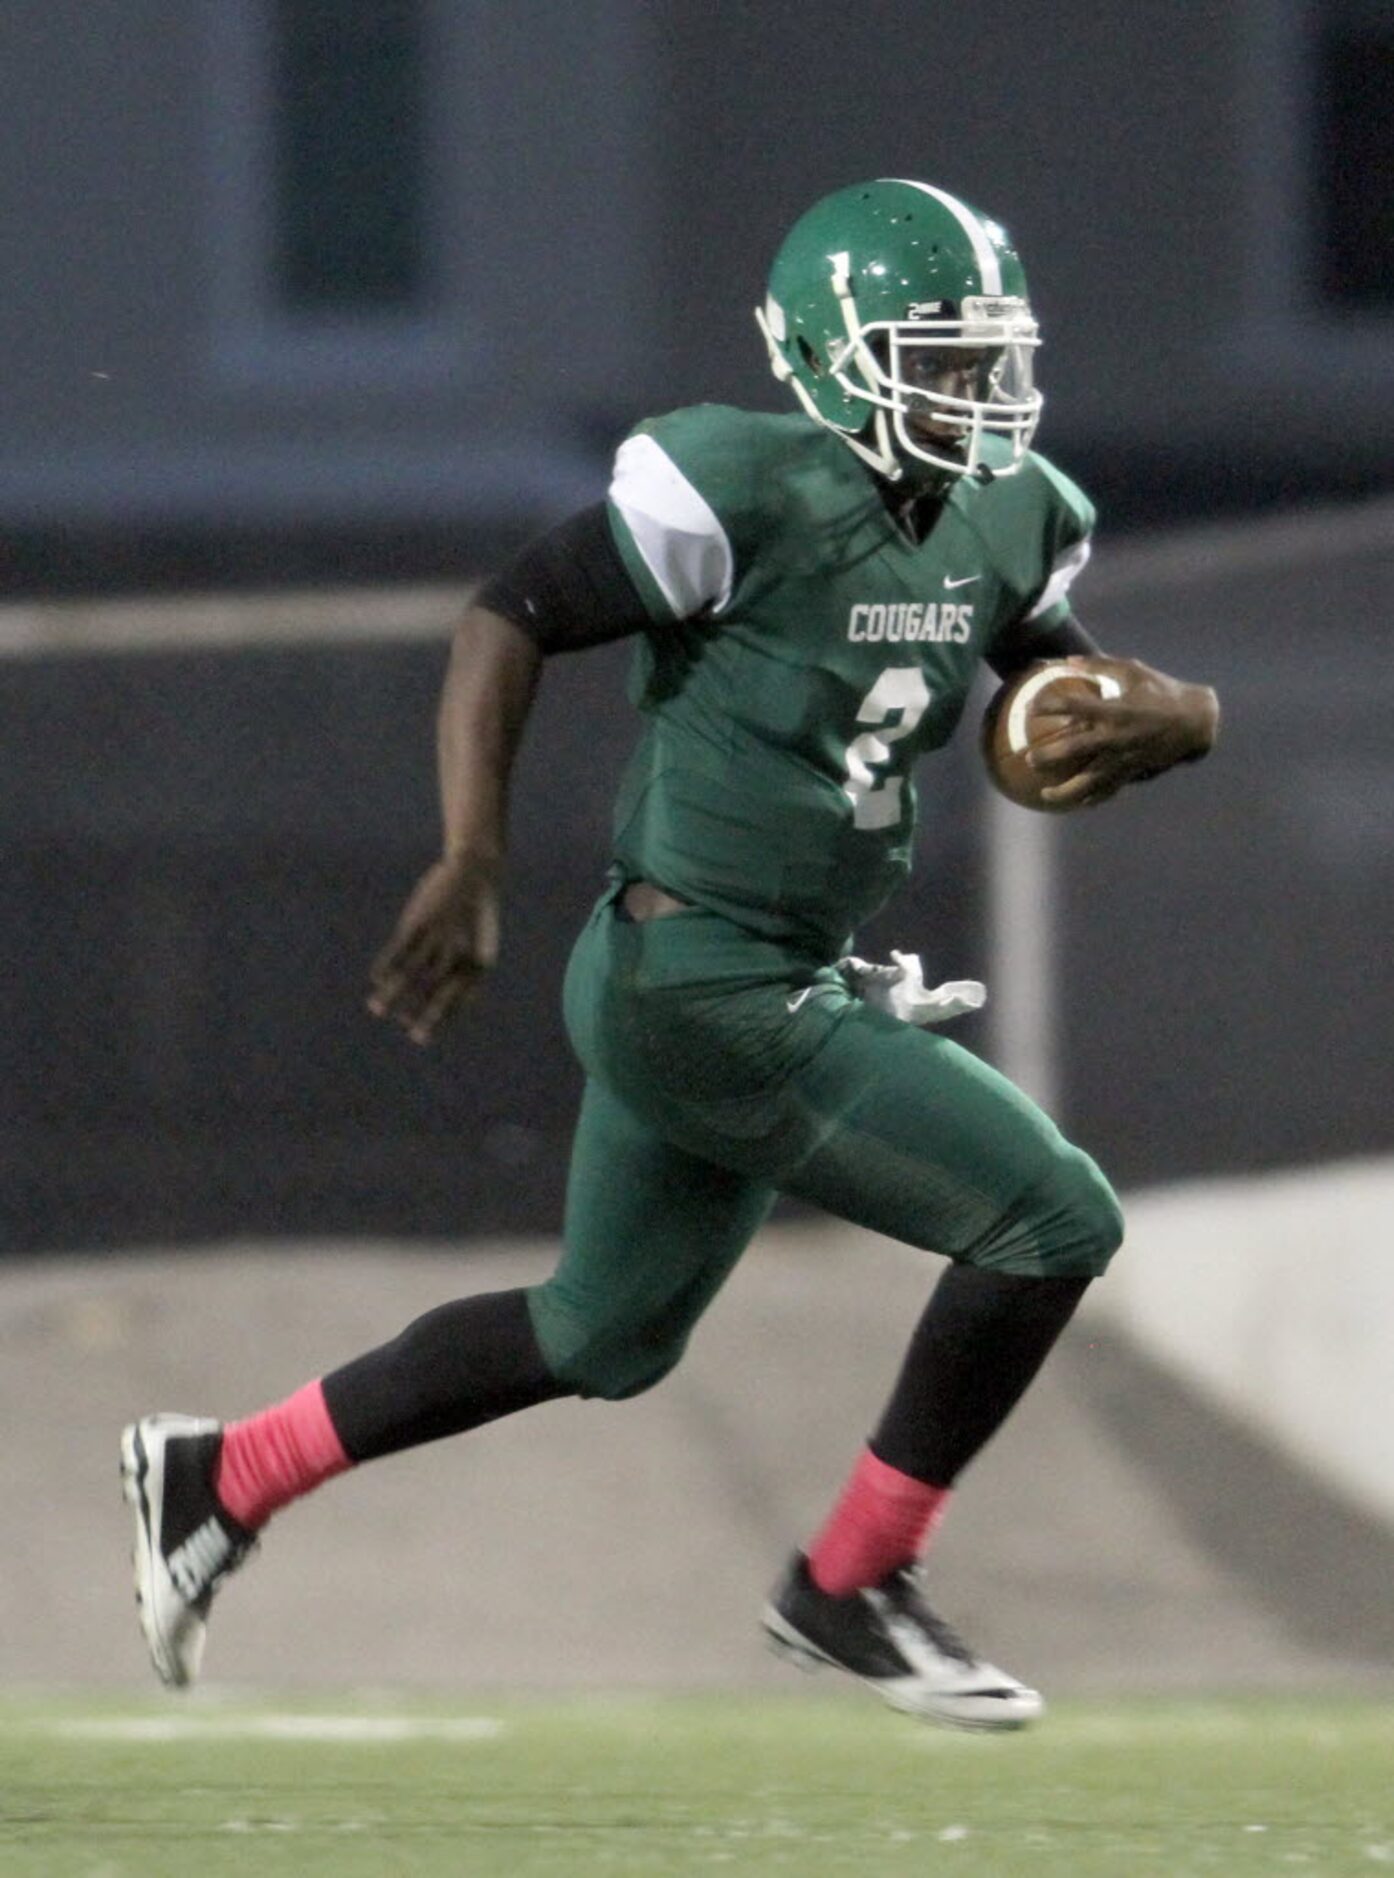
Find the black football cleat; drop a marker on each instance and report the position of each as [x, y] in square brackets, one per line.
[890, 1639]
[186, 1543]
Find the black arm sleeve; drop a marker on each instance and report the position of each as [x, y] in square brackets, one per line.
[1022, 643]
[569, 588]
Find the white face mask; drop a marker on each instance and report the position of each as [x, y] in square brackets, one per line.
[945, 386]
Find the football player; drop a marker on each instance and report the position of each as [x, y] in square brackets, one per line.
[810, 596]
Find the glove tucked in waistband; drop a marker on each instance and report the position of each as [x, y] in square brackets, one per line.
[900, 990]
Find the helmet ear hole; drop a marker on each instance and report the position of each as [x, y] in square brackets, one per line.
[810, 357]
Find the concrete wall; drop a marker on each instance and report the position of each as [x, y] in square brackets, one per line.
[1275, 1298]
[204, 849]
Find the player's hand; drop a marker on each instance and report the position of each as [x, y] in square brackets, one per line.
[1103, 743]
[445, 942]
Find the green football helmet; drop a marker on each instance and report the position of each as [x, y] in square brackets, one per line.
[899, 318]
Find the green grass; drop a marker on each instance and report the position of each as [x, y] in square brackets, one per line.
[811, 1784]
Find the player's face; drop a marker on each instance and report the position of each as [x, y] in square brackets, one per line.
[950, 391]
[952, 372]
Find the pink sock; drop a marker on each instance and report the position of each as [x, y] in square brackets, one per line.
[274, 1457]
[883, 1520]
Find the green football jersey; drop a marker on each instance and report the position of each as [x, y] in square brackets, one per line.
[804, 653]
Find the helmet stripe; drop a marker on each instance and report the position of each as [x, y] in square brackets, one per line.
[984, 253]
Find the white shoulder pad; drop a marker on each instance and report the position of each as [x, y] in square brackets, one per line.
[673, 526]
[1071, 563]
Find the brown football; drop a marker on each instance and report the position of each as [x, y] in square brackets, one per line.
[1027, 710]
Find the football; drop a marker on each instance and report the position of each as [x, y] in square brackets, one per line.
[1026, 712]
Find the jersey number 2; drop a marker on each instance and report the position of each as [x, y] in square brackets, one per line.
[875, 798]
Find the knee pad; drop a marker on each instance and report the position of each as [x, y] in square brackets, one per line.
[1068, 1225]
[1098, 1214]
[609, 1358]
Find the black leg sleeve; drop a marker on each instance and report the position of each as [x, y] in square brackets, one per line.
[457, 1367]
[980, 1341]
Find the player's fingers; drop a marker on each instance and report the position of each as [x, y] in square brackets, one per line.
[1089, 786]
[1064, 752]
[406, 952]
[397, 1002]
[405, 984]
[422, 954]
[418, 997]
[1126, 671]
[400, 1003]
[404, 980]
[386, 989]
[457, 990]
[1090, 707]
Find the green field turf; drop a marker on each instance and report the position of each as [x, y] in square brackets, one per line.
[648, 1786]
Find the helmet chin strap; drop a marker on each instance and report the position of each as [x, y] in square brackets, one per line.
[883, 458]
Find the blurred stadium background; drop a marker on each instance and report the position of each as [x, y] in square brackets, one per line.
[311, 313]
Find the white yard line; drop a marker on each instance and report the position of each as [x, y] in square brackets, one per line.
[373, 1730]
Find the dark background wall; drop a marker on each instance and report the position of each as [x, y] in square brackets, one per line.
[1224, 964]
[202, 854]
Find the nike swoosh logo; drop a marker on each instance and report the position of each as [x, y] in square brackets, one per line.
[964, 580]
[792, 1004]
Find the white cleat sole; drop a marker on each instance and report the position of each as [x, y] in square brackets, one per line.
[985, 1714]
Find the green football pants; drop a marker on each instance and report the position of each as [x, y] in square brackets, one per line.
[723, 1069]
